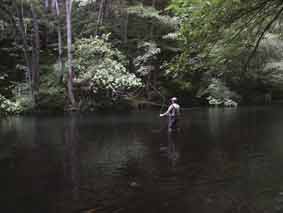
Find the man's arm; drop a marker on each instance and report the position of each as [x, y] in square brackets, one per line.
[167, 112]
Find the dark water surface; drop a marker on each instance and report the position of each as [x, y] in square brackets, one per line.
[223, 160]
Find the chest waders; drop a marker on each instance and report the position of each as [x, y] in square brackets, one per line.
[173, 120]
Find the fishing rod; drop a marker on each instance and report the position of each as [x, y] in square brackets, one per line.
[163, 103]
[162, 97]
[161, 109]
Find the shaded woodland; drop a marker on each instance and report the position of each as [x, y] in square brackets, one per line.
[86, 55]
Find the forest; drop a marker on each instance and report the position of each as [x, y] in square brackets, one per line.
[88, 55]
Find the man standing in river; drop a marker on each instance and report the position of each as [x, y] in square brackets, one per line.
[173, 113]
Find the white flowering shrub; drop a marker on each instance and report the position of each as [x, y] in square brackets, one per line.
[100, 67]
[8, 107]
[144, 63]
[220, 94]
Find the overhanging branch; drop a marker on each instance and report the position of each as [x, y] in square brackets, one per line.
[267, 27]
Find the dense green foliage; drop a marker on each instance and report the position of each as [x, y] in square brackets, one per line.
[233, 42]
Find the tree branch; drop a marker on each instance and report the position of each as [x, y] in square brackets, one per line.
[267, 27]
[247, 23]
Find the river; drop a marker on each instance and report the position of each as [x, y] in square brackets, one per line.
[222, 160]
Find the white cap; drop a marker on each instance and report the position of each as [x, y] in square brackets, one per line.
[173, 99]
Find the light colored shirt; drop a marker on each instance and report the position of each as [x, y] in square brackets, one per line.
[171, 108]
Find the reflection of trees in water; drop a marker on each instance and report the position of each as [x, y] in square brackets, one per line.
[112, 161]
[71, 160]
[111, 148]
[216, 197]
[32, 168]
[232, 175]
[19, 130]
[173, 154]
[226, 181]
[220, 119]
[218, 184]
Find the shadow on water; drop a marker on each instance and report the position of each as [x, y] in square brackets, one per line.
[223, 160]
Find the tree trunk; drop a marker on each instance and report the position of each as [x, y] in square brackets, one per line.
[107, 8]
[126, 28]
[35, 53]
[69, 47]
[100, 15]
[148, 90]
[60, 54]
[21, 29]
[152, 26]
[60, 43]
[46, 4]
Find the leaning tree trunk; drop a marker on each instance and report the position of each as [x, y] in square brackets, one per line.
[69, 47]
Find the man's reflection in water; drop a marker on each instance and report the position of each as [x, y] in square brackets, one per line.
[173, 154]
[71, 156]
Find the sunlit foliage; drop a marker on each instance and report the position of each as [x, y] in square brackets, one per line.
[99, 67]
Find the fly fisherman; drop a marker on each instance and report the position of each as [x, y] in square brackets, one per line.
[173, 113]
